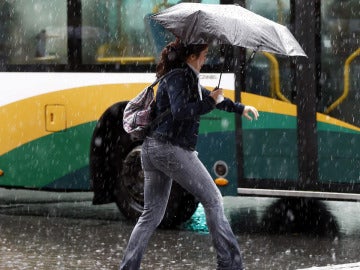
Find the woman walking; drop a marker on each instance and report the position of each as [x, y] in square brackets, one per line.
[168, 154]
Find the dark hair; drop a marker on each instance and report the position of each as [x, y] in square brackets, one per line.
[175, 54]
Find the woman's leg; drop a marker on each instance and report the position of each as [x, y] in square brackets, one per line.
[157, 188]
[193, 176]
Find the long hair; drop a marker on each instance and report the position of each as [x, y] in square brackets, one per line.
[174, 55]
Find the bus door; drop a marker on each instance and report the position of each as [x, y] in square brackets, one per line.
[306, 142]
[267, 148]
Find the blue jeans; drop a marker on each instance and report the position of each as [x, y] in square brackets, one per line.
[163, 162]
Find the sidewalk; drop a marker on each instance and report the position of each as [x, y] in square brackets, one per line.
[348, 266]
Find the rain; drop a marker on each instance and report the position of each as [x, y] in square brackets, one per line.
[63, 182]
[46, 230]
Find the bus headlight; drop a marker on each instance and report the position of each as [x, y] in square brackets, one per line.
[221, 169]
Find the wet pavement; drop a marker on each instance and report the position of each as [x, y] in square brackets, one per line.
[42, 230]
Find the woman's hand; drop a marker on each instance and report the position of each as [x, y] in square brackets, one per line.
[250, 110]
[217, 95]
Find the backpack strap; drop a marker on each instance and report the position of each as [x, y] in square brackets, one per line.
[175, 70]
[165, 113]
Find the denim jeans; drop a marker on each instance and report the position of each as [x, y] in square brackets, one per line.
[163, 163]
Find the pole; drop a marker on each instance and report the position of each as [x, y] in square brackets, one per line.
[306, 15]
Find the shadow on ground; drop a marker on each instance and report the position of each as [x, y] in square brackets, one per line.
[288, 216]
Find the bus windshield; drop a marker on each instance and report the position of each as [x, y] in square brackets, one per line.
[103, 32]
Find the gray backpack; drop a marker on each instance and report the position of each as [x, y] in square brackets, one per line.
[139, 112]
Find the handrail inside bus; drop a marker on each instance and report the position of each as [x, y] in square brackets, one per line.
[126, 59]
[47, 58]
[345, 93]
[275, 77]
[110, 53]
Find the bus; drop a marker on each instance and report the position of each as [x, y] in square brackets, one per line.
[68, 68]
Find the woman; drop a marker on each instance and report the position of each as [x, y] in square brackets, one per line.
[168, 154]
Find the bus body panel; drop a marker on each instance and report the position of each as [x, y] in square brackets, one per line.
[33, 156]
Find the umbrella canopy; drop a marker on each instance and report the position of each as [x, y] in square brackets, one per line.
[196, 23]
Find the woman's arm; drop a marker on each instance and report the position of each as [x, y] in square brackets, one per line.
[230, 106]
[181, 95]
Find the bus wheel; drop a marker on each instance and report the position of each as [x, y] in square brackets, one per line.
[117, 176]
[129, 194]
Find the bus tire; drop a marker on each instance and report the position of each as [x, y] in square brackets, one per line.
[129, 195]
[117, 176]
[109, 145]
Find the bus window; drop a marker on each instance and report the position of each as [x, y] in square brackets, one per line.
[33, 31]
[125, 35]
[122, 31]
[261, 73]
[340, 44]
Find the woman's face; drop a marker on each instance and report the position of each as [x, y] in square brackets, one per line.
[197, 61]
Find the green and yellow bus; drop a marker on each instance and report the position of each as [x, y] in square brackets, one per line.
[68, 68]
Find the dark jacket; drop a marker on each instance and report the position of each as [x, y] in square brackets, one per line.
[179, 91]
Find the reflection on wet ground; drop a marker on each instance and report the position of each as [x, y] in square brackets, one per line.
[67, 232]
[294, 215]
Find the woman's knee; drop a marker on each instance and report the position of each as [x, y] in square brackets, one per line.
[151, 217]
[212, 201]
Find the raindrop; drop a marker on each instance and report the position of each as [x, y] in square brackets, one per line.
[225, 123]
[98, 141]
[333, 255]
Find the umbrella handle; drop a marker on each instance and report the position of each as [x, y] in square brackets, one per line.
[218, 86]
[222, 66]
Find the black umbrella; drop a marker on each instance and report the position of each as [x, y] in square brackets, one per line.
[228, 24]
[196, 23]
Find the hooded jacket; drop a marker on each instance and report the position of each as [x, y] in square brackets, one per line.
[180, 92]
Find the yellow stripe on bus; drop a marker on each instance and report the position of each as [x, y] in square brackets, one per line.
[266, 104]
[333, 121]
[24, 120]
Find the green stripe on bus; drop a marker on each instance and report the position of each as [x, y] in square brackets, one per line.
[335, 128]
[217, 121]
[43, 161]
